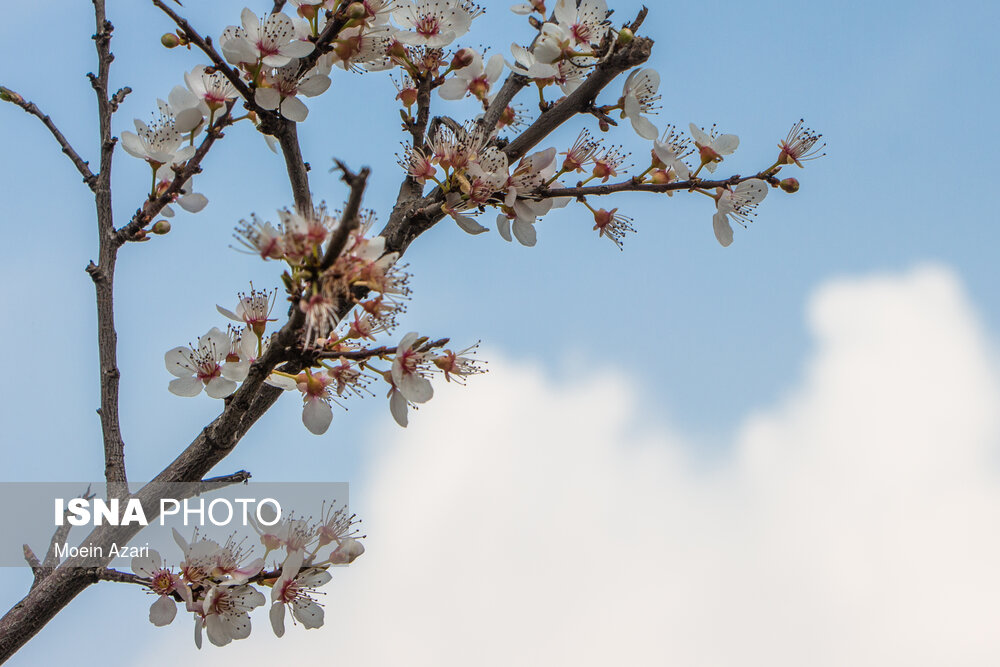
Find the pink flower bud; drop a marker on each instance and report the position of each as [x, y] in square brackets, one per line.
[789, 185]
[463, 58]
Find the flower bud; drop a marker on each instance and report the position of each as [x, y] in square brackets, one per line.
[397, 50]
[660, 177]
[8, 95]
[408, 96]
[308, 12]
[170, 40]
[625, 36]
[604, 125]
[160, 227]
[463, 58]
[789, 185]
[356, 11]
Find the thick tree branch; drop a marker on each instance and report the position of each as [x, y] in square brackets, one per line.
[298, 169]
[512, 85]
[103, 273]
[82, 166]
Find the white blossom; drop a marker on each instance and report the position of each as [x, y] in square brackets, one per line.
[737, 204]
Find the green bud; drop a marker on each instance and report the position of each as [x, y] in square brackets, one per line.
[160, 227]
[170, 40]
[625, 36]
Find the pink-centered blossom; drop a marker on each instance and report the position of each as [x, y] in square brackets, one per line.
[736, 204]
[203, 367]
[433, 23]
[273, 41]
[639, 97]
[295, 589]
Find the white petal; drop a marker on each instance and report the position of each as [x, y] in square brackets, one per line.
[189, 386]
[699, 135]
[398, 407]
[314, 85]
[643, 127]
[163, 611]
[726, 144]
[219, 387]
[525, 233]
[277, 615]
[308, 613]
[751, 191]
[193, 202]
[133, 145]
[281, 382]
[178, 362]
[216, 631]
[267, 98]
[297, 49]
[236, 370]
[294, 109]
[503, 226]
[470, 225]
[237, 625]
[317, 415]
[494, 67]
[723, 230]
[188, 119]
[453, 89]
[416, 388]
[146, 565]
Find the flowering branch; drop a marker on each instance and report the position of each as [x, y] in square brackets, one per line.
[383, 351]
[135, 229]
[206, 47]
[635, 185]
[580, 100]
[82, 166]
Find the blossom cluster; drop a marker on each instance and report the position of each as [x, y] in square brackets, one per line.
[220, 585]
[351, 301]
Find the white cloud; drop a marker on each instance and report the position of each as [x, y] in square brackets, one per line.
[526, 522]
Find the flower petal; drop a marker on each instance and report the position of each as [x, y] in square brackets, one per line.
[163, 611]
[723, 230]
[219, 387]
[317, 415]
[189, 386]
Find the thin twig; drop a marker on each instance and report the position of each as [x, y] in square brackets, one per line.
[82, 166]
[632, 185]
[152, 207]
[349, 220]
[382, 351]
[206, 47]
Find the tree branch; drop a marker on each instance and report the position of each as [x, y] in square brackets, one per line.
[349, 219]
[103, 273]
[82, 166]
[152, 207]
[624, 58]
[206, 47]
[632, 185]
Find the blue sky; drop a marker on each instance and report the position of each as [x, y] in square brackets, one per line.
[904, 93]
